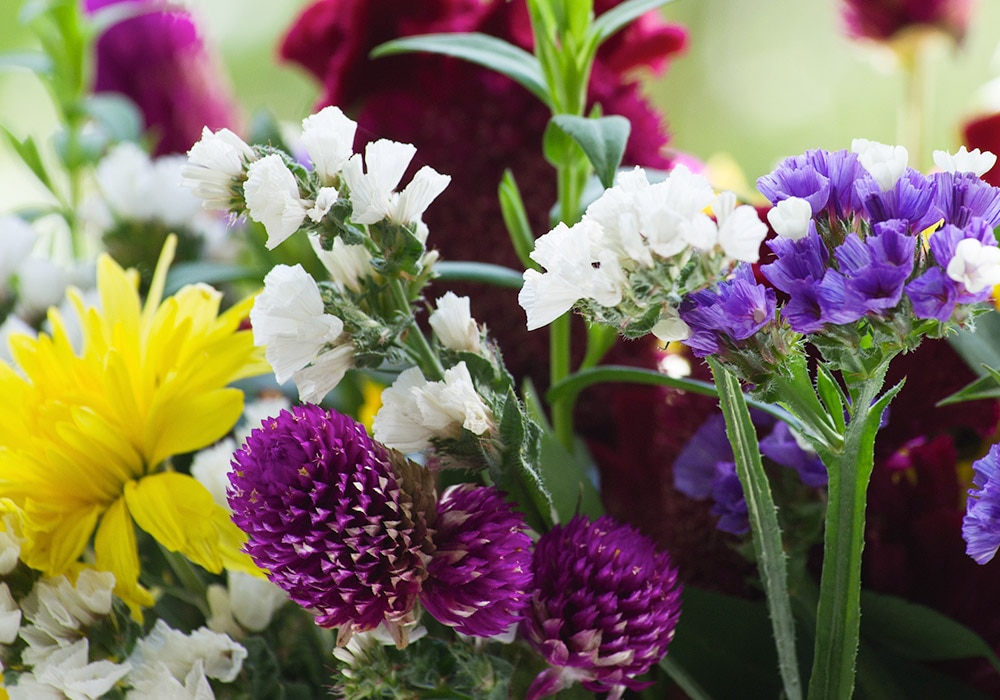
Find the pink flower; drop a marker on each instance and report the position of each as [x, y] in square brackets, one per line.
[159, 61]
[883, 20]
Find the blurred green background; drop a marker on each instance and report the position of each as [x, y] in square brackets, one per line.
[760, 80]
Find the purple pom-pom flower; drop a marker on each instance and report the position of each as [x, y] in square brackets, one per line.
[480, 574]
[605, 606]
[981, 526]
[328, 520]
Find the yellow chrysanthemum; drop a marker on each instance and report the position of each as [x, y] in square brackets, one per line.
[85, 438]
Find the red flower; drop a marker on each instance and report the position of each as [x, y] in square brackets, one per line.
[984, 133]
[883, 20]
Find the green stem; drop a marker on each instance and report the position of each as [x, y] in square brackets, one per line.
[189, 580]
[838, 614]
[562, 408]
[913, 108]
[424, 355]
[763, 516]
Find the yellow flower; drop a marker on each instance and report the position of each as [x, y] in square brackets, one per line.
[85, 438]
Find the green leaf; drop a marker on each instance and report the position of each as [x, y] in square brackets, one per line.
[620, 15]
[30, 155]
[918, 632]
[35, 61]
[515, 218]
[212, 273]
[471, 271]
[482, 49]
[518, 472]
[117, 115]
[831, 395]
[602, 139]
[570, 479]
[761, 512]
[987, 387]
[979, 347]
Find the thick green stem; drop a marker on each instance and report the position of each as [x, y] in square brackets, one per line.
[761, 512]
[838, 613]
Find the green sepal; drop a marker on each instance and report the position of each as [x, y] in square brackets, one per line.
[831, 395]
[481, 49]
[602, 139]
[399, 246]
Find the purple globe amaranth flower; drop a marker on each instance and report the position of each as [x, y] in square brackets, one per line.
[328, 519]
[908, 199]
[479, 577]
[604, 609]
[981, 525]
[734, 311]
[960, 197]
[160, 62]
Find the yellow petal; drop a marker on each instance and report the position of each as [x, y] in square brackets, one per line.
[116, 551]
[179, 424]
[58, 535]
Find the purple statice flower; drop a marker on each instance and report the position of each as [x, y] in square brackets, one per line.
[604, 609]
[160, 62]
[733, 311]
[908, 199]
[981, 525]
[875, 270]
[480, 573]
[935, 294]
[328, 520]
[960, 197]
[729, 503]
[781, 447]
[796, 177]
[843, 169]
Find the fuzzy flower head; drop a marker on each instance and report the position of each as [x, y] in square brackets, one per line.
[86, 433]
[479, 577]
[329, 520]
[981, 526]
[604, 609]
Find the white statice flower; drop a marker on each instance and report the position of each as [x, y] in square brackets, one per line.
[790, 218]
[737, 230]
[273, 199]
[453, 324]
[246, 604]
[347, 264]
[372, 192]
[29, 688]
[216, 166]
[10, 616]
[324, 373]
[68, 670]
[289, 320]
[325, 199]
[17, 238]
[965, 161]
[577, 265]
[414, 411]
[975, 265]
[670, 326]
[210, 467]
[617, 214]
[885, 163]
[328, 137]
[221, 658]
[154, 681]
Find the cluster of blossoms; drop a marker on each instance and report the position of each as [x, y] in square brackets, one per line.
[866, 248]
[357, 534]
[638, 250]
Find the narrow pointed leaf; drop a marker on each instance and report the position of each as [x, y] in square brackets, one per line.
[620, 15]
[515, 218]
[28, 151]
[482, 49]
[35, 61]
[603, 140]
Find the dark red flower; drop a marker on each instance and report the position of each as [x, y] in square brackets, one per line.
[984, 133]
[883, 20]
[159, 61]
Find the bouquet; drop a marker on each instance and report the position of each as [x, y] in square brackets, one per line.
[259, 451]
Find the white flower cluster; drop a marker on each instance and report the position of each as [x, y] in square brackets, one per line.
[226, 173]
[635, 228]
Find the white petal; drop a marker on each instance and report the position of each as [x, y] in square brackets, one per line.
[885, 163]
[965, 161]
[790, 218]
[328, 137]
[272, 197]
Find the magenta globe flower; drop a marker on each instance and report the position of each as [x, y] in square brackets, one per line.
[480, 574]
[328, 520]
[604, 609]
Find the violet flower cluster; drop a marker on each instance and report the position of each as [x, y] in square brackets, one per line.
[354, 532]
[865, 247]
[981, 525]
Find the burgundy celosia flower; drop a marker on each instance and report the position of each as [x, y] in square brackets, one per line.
[328, 520]
[882, 20]
[605, 606]
[480, 574]
[159, 61]
[984, 133]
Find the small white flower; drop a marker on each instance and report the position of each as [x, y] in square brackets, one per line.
[790, 218]
[41, 283]
[68, 670]
[220, 656]
[325, 198]
[665, 205]
[210, 467]
[272, 197]
[328, 137]
[885, 163]
[254, 600]
[10, 616]
[975, 265]
[965, 161]
[216, 165]
[453, 324]
[372, 193]
[154, 681]
[577, 267]
[670, 326]
[29, 688]
[17, 238]
[414, 410]
[289, 320]
[347, 264]
[57, 611]
[324, 373]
